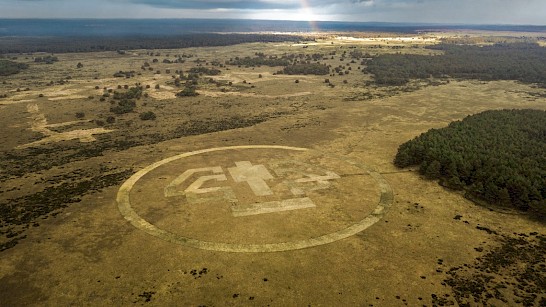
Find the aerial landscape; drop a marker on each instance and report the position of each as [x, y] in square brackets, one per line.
[272, 153]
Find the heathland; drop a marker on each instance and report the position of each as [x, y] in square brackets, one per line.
[444, 130]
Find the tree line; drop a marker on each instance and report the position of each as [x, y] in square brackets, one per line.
[495, 156]
[91, 44]
[525, 62]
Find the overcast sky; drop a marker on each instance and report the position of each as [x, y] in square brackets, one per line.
[435, 11]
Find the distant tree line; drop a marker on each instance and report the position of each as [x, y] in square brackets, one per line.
[91, 44]
[307, 69]
[204, 71]
[525, 62]
[270, 61]
[8, 67]
[495, 156]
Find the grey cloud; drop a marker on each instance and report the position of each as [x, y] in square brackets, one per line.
[219, 4]
[420, 11]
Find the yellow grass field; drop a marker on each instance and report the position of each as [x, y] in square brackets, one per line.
[281, 193]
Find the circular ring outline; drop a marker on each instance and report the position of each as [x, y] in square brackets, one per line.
[385, 201]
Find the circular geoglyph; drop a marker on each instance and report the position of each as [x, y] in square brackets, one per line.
[257, 198]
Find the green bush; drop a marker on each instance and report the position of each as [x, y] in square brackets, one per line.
[188, 91]
[147, 115]
[123, 106]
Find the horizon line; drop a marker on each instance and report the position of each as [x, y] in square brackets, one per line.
[414, 23]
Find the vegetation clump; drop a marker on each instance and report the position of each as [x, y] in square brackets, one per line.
[307, 69]
[205, 71]
[123, 106]
[261, 60]
[147, 115]
[523, 62]
[188, 91]
[126, 100]
[49, 59]
[131, 93]
[124, 74]
[495, 156]
[8, 67]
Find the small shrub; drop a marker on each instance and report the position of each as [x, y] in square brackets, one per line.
[188, 91]
[80, 115]
[110, 119]
[147, 115]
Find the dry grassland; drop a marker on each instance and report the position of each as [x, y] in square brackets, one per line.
[73, 247]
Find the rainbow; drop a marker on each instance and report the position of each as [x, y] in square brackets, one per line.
[307, 8]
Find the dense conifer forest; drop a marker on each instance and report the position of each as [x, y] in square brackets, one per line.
[495, 156]
[525, 62]
[92, 44]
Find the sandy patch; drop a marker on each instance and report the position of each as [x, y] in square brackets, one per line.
[84, 135]
[253, 77]
[375, 40]
[39, 124]
[162, 95]
[219, 94]
[66, 97]
[14, 101]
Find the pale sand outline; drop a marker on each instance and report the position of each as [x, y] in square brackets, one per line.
[124, 205]
[272, 206]
[39, 124]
